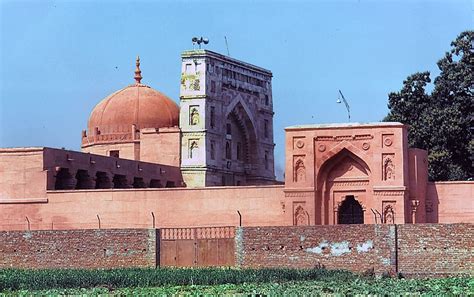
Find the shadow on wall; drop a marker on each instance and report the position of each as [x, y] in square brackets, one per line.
[432, 204]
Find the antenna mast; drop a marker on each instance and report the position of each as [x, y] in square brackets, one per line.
[345, 103]
[227, 45]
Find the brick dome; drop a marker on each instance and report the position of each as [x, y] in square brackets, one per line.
[136, 104]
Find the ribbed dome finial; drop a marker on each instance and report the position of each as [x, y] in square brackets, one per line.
[138, 72]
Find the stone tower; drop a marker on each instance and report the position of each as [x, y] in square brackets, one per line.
[226, 120]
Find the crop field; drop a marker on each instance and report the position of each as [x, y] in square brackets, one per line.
[217, 281]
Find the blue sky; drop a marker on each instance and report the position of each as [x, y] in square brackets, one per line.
[60, 58]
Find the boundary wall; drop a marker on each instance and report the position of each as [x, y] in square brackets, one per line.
[414, 250]
[420, 250]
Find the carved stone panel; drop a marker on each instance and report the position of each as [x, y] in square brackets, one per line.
[388, 167]
[387, 140]
[193, 148]
[388, 214]
[193, 115]
[300, 215]
[298, 142]
[299, 169]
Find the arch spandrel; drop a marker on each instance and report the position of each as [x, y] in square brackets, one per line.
[337, 149]
[343, 151]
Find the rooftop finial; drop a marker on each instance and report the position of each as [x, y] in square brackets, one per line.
[138, 72]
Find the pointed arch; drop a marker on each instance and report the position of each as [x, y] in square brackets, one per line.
[234, 105]
[241, 117]
[301, 217]
[299, 171]
[334, 158]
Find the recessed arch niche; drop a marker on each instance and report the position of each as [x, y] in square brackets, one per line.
[342, 175]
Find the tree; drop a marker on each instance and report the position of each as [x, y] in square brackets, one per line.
[441, 122]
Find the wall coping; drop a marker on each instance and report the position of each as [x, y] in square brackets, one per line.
[218, 188]
[21, 149]
[468, 182]
[23, 200]
[355, 125]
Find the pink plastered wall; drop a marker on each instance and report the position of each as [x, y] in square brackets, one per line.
[161, 146]
[22, 176]
[450, 202]
[135, 208]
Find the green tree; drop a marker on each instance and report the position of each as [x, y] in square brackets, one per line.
[441, 122]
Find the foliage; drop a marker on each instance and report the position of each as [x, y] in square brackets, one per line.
[331, 286]
[441, 122]
[20, 279]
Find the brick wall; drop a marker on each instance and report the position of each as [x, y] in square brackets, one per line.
[413, 250]
[435, 249]
[78, 248]
[353, 247]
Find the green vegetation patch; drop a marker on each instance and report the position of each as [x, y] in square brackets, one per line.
[213, 281]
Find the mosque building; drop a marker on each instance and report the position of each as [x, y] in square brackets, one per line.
[220, 135]
[146, 161]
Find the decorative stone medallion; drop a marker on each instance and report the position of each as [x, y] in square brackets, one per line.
[299, 143]
[321, 148]
[365, 146]
[387, 141]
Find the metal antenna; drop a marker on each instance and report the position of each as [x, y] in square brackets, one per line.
[345, 103]
[227, 46]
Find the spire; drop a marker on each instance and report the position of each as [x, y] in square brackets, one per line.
[138, 72]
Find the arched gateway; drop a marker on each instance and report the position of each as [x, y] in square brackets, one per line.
[341, 177]
[354, 173]
[350, 211]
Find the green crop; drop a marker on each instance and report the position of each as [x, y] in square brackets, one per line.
[217, 281]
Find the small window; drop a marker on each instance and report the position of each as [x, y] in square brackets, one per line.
[239, 151]
[193, 150]
[267, 100]
[265, 131]
[213, 86]
[155, 183]
[266, 160]
[228, 150]
[229, 129]
[213, 150]
[115, 154]
[193, 116]
[213, 116]
[188, 68]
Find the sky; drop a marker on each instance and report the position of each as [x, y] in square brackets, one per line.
[58, 59]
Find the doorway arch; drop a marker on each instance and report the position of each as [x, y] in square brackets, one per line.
[350, 211]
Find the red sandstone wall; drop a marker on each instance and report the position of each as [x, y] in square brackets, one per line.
[418, 172]
[353, 247]
[161, 147]
[450, 202]
[435, 250]
[22, 176]
[132, 208]
[78, 249]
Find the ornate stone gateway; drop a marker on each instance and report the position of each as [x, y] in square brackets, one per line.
[354, 174]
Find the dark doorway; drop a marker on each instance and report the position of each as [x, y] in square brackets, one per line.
[350, 211]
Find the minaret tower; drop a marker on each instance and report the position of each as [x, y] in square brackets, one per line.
[226, 121]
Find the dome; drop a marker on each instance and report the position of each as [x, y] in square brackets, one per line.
[138, 105]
